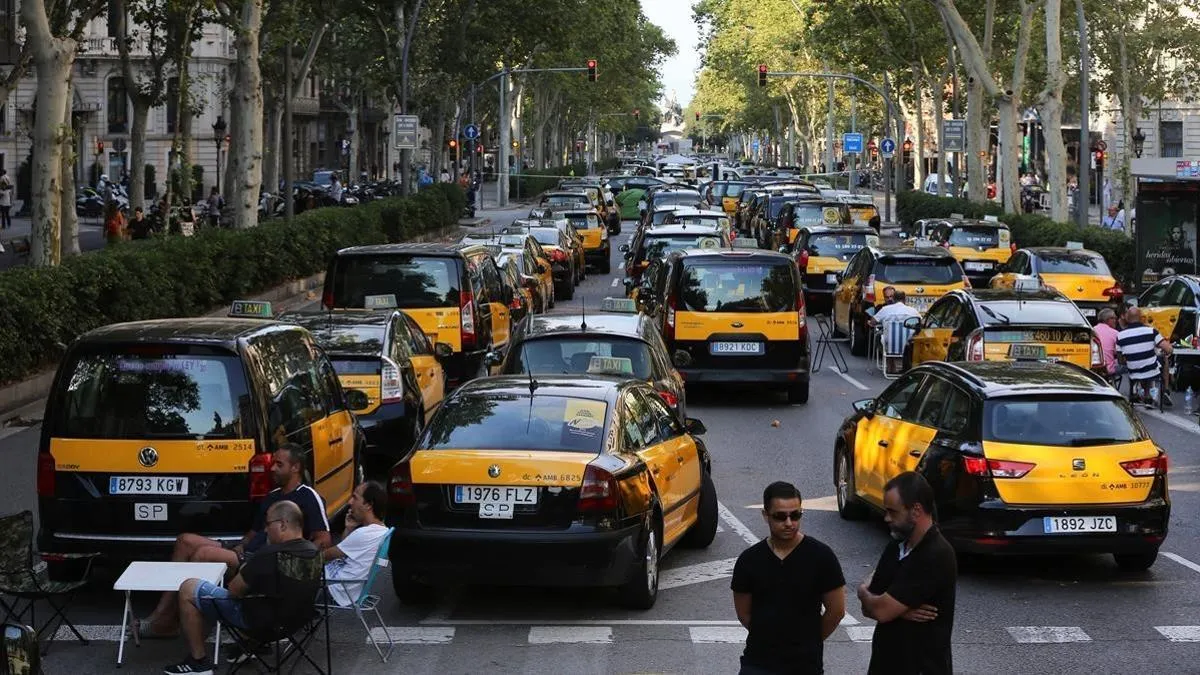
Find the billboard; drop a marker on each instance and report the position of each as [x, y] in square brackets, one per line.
[1166, 229]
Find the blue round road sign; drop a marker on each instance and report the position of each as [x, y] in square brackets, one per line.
[887, 146]
[470, 132]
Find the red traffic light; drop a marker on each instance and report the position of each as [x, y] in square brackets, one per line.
[99, 147]
[697, 117]
[591, 70]
[453, 143]
[637, 114]
[762, 75]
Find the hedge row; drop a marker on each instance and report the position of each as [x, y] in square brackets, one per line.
[533, 183]
[1028, 229]
[188, 276]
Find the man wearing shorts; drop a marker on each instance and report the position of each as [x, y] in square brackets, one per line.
[203, 601]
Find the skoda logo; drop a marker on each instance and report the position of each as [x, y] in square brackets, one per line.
[737, 324]
[148, 457]
[1078, 464]
[494, 471]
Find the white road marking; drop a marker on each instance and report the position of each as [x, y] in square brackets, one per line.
[1182, 561]
[851, 380]
[1180, 423]
[413, 635]
[616, 281]
[710, 635]
[1185, 487]
[815, 503]
[110, 633]
[1048, 634]
[737, 526]
[588, 635]
[696, 574]
[1180, 633]
[860, 633]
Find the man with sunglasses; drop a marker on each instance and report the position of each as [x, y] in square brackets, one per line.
[788, 591]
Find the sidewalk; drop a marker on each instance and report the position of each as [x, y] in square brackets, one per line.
[91, 237]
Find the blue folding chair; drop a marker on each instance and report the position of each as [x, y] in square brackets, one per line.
[365, 601]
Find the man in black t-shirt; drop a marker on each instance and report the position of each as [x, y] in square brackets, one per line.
[788, 591]
[260, 576]
[911, 592]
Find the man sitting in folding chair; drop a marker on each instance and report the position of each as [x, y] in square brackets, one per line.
[258, 577]
[893, 333]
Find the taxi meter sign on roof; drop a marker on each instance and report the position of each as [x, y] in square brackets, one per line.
[250, 309]
[620, 305]
[609, 365]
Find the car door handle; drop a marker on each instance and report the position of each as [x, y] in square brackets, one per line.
[883, 444]
[914, 453]
[680, 460]
[336, 440]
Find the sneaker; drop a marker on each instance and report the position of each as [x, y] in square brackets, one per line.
[189, 666]
[1166, 401]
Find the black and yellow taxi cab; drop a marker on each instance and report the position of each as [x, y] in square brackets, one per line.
[668, 196]
[924, 274]
[606, 205]
[564, 344]
[559, 247]
[384, 354]
[650, 244]
[575, 245]
[561, 200]
[153, 428]
[990, 324]
[723, 194]
[535, 261]
[1080, 274]
[1172, 307]
[863, 210]
[453, 291]
[593, 233]
[822, 252]
[734, 316]
[801, 211]
[520, 276]
[982, 246]
[1024, 457]
[553, 480]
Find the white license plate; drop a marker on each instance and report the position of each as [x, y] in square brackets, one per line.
[147, 485]
[831, 278]
[922, 304]
[1087, 312]
[978, 266]
[496, 501]
[736, 348]
[149, 511]
[1072, 524]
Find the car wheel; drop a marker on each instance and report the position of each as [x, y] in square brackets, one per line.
[410, 591]
[641, 590]
[606, 268]
[704, 530]
[849, 506]
[569, 290]
[798, 393]
[1136, 562]
[858, 338]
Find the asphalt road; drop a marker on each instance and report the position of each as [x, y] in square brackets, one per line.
[1063, 614]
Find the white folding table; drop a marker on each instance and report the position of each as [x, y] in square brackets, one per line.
[145, 575]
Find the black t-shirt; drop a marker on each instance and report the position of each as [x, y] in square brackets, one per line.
[310, 503]
[288, 589]
[139, 229]
[926, 576]
[785, 604]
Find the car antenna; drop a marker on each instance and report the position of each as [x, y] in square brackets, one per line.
[533, 384]
[583, 314]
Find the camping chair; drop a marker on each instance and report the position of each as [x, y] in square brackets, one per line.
[365, 601]
[827, 343]
[893, 337]
[291, 632]
[24, 576]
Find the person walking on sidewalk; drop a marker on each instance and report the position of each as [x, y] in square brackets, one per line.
[788, 591]
[6, 200]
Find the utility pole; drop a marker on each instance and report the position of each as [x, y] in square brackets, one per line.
[502, 153]
[289, 203]
[853, 128]
[829, 124]
[1083, 194]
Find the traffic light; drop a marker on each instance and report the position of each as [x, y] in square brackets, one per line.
[697, 117]
[99, 147]
[453, 144]
[1098, 156]
[479, 149]
[637, 114]
[591, 66]
[516, 145]
[762, 75]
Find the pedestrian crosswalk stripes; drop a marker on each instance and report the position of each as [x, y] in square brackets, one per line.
[1048, 634]
[590, 635]
[1180, 633]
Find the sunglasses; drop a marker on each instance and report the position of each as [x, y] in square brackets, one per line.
[784, 516]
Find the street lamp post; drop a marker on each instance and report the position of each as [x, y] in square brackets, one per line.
[1083, 194]
[218, 128]
[1139, 142]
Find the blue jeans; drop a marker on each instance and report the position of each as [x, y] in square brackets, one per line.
[215, 604]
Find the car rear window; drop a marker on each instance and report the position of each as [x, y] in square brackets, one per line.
[809, 214]
[416, 281]
[918, 271]
[546, 236]
[842, 246]
[975, 236]
[584, 221]
[734, 190]
[664, 245]
[518, 422]
[1058, 421]
[153, 393]
[1053, 312]
[666, 198]
[1072, 263]
[732, 287]
[862, 212]
[572, 355]
[355, 366]
[564, 200]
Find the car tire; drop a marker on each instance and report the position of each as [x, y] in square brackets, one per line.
[849, 506]
[606, 268]
[641, 591]
[704, 530]
[798, 393]
[569, 290]
[409, 591]
[858, 338]
[1136, 562]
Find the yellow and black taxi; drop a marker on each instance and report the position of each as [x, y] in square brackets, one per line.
[453, 291]
[650, 244]
[520, 275]
[863, 211]
[575, 245]
[562, 200]
[924, 274]
[386, 356]
[990, 324]
[593, 233]
[536, 262]
[1080, 274]
[822, 252]
[982, 246]
[807, 211]
[1025, 457]
[558, 480]
[734, 317]
[606, 205]
[564, 344]
[153, 428]
[1172, 307]
[558, 247]
[723, 194]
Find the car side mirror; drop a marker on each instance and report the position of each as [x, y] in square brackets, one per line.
[912, 323]
[623, 248]
[840, 275]
[442, 350]
[865, 406]
[695, 427]
[357, 400]
[492, 358]
[902, 236]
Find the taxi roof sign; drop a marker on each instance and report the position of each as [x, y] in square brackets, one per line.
[991, 219]
[621, 305]
[609, 365]
[387, 301]
[250, 309]
[1075, 245]
[1027, 284]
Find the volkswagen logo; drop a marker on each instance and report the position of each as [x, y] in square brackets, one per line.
[1078, 464]
[737, 324]
[148, 457]
[494, 471]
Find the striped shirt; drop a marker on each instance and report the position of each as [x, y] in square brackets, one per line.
[1137, 342]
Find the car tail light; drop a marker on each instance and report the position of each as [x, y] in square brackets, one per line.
[975, 466]
[327, 300]
[1151, 466]
[1114, 291]
[669, 331]
[1097, 354]
[669, 398]
[516, 301]
[558, 255]
[802, 261]
[466, 313]
[975, 346]
[869, 290]
[800, 314]
[391, 381]
[996, 468]
[261, 482]
[45, 474]
[400, 485]
[598, 491]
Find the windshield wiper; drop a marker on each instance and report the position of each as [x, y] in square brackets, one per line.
[1002, 318]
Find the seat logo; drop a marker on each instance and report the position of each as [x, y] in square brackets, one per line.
[1078, 464]
[737, 324]
[148, 457]
[494, 471]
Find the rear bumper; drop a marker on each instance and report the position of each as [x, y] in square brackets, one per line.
[996, 527]
[600, 254]
[746, 376]
[577, 556]
[389, 430]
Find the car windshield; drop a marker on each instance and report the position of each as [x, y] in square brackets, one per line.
[564, 200]
[842, 246]
[663, 245]
[415, 281]
[572, 355]
[545, 236]
[1072, 263]
[1061, 421]
[775, 206]
[975, 237]
[518, 422]
[1038, 312]
[809, 214]
[158, 394]
[918, 271]
[732, 287]
[734, 190]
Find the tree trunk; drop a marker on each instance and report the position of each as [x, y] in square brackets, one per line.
[272, 153]
[70, 220]
[1051, 104]
[137, 156]
[185, 123]
[1131, 112]
[978, 140]
[245, 152]
[939, 115]
[919, 148]
[355, 137]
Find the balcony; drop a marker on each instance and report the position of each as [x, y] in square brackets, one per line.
[306, 105]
